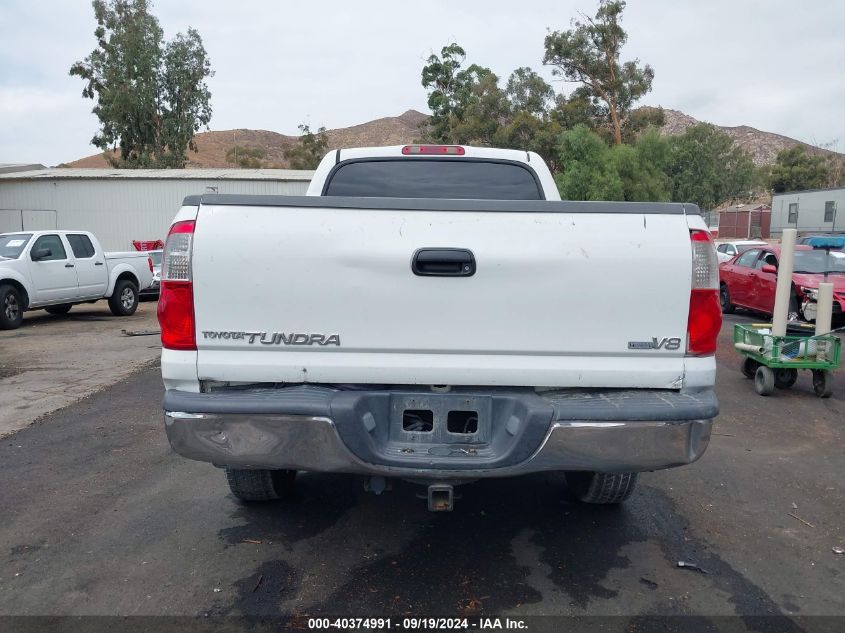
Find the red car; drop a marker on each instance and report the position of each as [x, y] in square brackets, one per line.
[749, 280]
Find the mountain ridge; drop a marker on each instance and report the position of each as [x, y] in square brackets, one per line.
[212, 146]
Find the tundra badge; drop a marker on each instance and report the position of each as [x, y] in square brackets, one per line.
[275, 338]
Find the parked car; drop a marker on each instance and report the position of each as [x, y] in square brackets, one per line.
[749, 280]
[805, 239]
[153, 289]
[726, 251]
[55, 270]
[420, 314]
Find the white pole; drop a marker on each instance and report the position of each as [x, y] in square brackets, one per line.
[824, 309]
[784, 287]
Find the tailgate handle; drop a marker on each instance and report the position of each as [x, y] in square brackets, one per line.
[443, 262]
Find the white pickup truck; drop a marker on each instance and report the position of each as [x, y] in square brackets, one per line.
[436, 313]
[54, 270]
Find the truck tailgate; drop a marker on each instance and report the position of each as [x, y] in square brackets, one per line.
[324, 294]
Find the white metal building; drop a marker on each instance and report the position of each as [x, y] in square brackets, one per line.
[122, 205]
[810, 211]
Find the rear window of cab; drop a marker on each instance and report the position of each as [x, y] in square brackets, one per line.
[457, 179]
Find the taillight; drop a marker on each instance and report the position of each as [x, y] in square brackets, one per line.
[705, 313]
[434, 150]
[176, 296]
[150, 263]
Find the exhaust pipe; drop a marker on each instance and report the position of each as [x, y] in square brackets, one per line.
[440, 498]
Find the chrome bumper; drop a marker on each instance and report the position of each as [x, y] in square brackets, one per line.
[304, 442]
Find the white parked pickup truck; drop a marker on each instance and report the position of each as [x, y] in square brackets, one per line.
[437, 313]
[54, 270]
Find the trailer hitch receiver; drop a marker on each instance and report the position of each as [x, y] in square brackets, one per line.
[440, 498]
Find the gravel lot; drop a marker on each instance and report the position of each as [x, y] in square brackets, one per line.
[100, 517]
[52, 361]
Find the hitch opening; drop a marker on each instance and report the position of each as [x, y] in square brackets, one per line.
[440, 498]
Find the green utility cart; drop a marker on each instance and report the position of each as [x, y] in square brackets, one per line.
[773, 361]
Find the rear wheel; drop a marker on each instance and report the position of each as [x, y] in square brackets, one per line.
[60, 309]
[785, 378]
[124, 299]
[749, 367]
[764, 381]
[604, 488]
[260, 484]
[11, 307]
[823, 383]
[725, 299]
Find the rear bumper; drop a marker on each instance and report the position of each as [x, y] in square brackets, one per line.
[153, 289]
[324, 430]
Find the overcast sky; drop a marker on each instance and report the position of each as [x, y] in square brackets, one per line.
[774, 65]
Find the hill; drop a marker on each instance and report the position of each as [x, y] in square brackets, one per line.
[762, 146]
[398, 130]
[212, 146]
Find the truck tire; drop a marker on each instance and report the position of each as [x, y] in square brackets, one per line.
[764, 381]
[725, 299]
[260, 485]
[823, 383]
[59, 309]
[124, 299]
[604, 488]
[11, 307]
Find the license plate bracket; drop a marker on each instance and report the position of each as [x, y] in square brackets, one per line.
[423, 418]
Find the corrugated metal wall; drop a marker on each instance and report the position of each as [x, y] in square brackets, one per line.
[117, 211]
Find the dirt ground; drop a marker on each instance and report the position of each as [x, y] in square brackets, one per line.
[52, 361]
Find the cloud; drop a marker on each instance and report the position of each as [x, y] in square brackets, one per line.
[770, 64]
[20, 103]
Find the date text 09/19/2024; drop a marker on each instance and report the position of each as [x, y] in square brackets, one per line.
[411, 624]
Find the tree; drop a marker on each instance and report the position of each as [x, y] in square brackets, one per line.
[309, 148]
[589, 54]
[528, 132]
[246, 157]
[578, 108]
[440, 78]
[642, 168]
[640, 120]
[528, 92]
[835, 171]
[484, 110]
[706, 168]
[469, 107]
[185, 98]
[466, 104]
[151, 97]
[592, 170]
[588, 173]
[795, 170]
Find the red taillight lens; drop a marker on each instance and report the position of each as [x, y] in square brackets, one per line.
[150, 263]
[704, 323]
[434, 150]
[176, 315]
[705, 313]
[176, 296]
